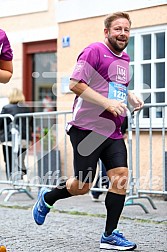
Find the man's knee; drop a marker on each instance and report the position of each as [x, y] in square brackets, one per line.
[118, 179]
[76, 187]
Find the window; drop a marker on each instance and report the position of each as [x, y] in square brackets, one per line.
[130, 51]
[147, 49]
[44, 88]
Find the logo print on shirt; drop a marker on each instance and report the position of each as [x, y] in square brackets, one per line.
[121, 74]
[1, 47]
[107, 56]
[79, 66]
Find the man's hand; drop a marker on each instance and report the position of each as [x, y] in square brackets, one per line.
[136, 102]
[117, 107]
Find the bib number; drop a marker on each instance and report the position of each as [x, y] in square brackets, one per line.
[118, 92]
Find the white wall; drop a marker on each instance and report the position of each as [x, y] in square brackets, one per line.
[68, 10]
[17, 7]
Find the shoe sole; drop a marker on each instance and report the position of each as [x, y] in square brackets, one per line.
[40, 194]
[95, 200]
[109, 247]
[33, 216]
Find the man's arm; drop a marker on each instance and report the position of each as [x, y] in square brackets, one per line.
[6, 71]
[84, 91]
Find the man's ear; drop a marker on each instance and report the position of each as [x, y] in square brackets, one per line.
[106, 32]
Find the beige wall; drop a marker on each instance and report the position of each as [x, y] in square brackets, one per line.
[149, 17]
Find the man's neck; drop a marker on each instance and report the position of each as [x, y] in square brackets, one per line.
[118, 55]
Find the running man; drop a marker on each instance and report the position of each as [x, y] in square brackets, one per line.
[99, 80]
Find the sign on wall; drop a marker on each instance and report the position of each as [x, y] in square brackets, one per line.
[66, 41]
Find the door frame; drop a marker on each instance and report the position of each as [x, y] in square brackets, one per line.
[29, 49]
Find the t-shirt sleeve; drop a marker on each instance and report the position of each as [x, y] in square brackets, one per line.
[6, 52]
[85, 66]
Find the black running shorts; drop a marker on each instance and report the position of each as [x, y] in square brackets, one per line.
[87, 152]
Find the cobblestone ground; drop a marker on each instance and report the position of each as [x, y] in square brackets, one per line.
[65, 232]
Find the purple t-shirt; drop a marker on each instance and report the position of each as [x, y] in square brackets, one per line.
[108, 75]
[5, 48]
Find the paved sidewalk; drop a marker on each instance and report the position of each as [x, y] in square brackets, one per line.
[76, 225]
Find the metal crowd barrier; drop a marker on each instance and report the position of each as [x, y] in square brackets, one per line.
[48, 155]
[136, 190]
[3, 176]
[151, 167]
[43, 147]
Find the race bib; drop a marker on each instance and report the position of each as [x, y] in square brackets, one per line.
[117, 91]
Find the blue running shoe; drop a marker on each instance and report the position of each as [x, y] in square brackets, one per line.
[41, 208]
[116, 241]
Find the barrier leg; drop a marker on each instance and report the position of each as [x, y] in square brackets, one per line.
[130, 202]
[15, 191]
[150, 200]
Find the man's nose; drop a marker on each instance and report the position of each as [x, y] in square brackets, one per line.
[123, 31]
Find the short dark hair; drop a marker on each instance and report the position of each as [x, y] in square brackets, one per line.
[111, 17]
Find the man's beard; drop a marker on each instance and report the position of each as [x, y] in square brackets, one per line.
[115, 46]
